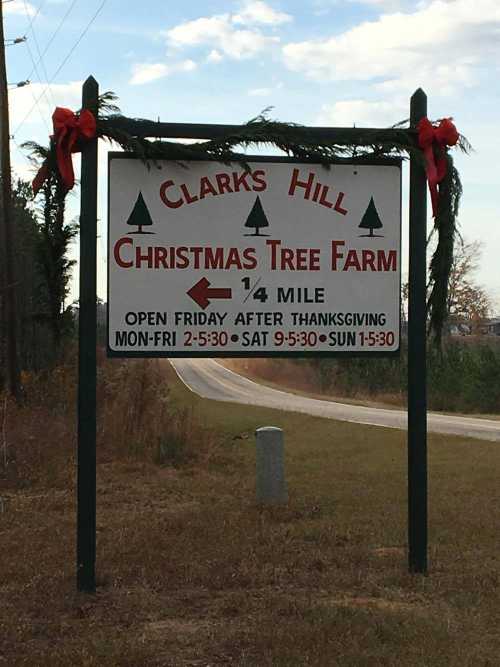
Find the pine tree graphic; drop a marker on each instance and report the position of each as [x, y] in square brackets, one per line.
[371, 220]
[257, 219]
[140, 216]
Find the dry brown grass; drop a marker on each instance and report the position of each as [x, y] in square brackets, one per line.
[192, 572]
[287, 375]
[283, 372]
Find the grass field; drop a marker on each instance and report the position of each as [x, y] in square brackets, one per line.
[192, 572]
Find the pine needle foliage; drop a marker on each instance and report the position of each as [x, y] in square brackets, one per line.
[445, 224]
[53, 245]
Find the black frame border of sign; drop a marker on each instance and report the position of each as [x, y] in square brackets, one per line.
[388, 161]
[87, 330]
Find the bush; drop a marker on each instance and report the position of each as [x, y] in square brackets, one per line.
[140, 419]
[136, 418]
[463, 377]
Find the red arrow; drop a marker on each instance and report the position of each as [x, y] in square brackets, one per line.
[201, 293]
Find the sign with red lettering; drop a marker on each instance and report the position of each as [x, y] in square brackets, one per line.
[272, 258]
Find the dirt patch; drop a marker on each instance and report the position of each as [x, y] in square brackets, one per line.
[183, 630]
[389, 552]
[395, 606]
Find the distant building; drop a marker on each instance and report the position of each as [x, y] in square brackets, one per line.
[492, 326]
[459, 329]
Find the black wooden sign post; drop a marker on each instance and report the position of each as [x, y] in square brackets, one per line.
[417, 372]
[87, 364]
[417, 409]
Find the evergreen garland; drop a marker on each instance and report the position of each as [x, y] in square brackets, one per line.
[297, 141]
[445, 224]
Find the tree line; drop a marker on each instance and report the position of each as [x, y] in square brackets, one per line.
[468, 302]
[41, 241]
[463, 376]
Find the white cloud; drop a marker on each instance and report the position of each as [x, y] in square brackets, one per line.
[260, 92]
[214, 56]
[19, 7]
[221, 33]
[323, 7]
[146, 72]
[21, 100]
[391, 4]
[362, 113]
[20, 166]
[265, 91]
[437, 46]
[260, 12]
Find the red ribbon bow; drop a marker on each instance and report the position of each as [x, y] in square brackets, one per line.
[433, 141]
[70, 130]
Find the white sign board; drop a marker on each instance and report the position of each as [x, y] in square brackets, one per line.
[288, 258]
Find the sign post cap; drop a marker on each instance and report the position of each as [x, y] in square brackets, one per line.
[267, 429]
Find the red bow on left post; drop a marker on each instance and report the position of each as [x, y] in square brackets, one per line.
[70, 130]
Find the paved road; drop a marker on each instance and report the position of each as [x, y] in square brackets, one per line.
[209, 379]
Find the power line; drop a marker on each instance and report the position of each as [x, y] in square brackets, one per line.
[65, 60]
[37, 46]
[56, 31]
[33, 18]
[40, 61]
[44, 92]
[35, 69]
[84, 32]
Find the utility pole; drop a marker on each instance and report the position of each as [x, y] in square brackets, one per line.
[7, 290]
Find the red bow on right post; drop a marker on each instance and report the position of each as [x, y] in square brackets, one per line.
[433, 140]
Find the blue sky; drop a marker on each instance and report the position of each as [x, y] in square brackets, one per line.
[317, 62]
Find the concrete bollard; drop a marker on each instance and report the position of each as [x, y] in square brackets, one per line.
[271, 484]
